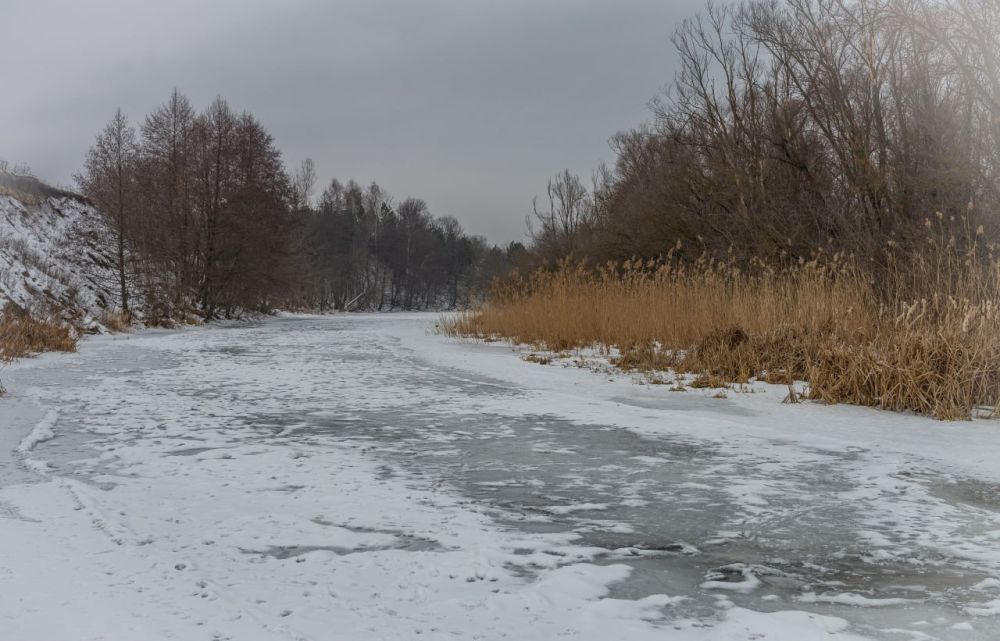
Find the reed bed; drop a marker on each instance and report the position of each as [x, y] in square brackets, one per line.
[923, 336]
[23, 335]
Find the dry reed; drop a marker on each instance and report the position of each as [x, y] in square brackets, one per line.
[23, 335]
[923, 338]
[115, 321]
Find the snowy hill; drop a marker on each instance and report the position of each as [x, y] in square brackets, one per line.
[51, 257]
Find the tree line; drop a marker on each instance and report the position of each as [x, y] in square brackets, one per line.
[797, 126]
[204, 220]
[365, 247]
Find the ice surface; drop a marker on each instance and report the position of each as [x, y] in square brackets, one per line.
[358, 477]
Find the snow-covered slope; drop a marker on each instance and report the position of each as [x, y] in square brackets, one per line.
[51, 257]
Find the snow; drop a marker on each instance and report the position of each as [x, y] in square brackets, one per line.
[359, 477]
[42, 431]
[988, 609]
[748, 581]
[577, 507]
[849, 598]
[987, 584]
[50, 257]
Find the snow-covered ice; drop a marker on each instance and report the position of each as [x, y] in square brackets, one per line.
[360, 477]
[42, 431]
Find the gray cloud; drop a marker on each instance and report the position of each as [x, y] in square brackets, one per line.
[470, 105]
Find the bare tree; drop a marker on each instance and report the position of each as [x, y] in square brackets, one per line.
[303, 184]
[109, 179]
[799, 125]
[570, 211]
[166, 148]
[214, 151]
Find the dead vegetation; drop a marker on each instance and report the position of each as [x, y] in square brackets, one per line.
[23, 334]
[921, 336]
[115, 321]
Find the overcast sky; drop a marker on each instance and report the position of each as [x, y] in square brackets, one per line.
[469, 105]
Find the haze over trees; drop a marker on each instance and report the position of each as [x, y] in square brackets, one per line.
[206, 221]
[797, 125]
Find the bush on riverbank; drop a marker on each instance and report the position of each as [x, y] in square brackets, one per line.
[922, 336]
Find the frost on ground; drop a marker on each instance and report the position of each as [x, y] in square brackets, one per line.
[358, 477]
[51, 253]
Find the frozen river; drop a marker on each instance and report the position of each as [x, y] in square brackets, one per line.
[361, 477]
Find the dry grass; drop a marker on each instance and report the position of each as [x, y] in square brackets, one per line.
[23, 196]
[23, 335]
[925, 338]
[115, 321]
